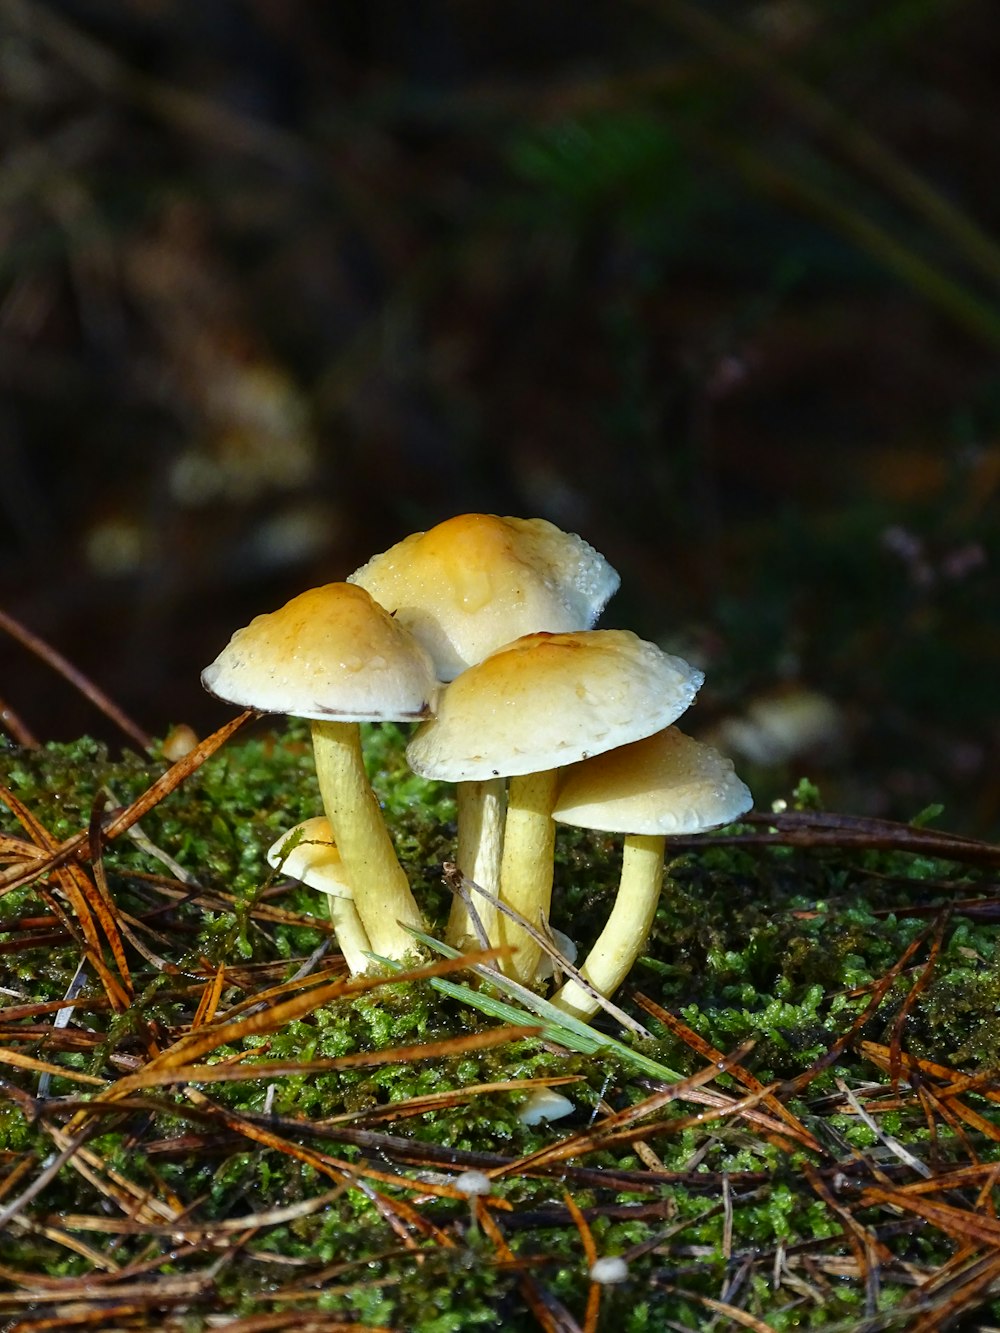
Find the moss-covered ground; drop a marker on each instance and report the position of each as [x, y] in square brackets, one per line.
[204, 1123]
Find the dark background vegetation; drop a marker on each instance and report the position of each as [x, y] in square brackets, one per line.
[712, 284]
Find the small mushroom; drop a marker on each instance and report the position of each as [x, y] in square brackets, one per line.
[332, 655]
[544, 1105]
[313, 858]
[609, 1270]
[473, 1184]
[538, 703]
[564, 947]
[465, 588]
[665, 784]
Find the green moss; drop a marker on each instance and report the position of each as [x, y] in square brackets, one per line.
[774, 950]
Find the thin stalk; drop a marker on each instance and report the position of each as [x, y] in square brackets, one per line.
[526, 867]
[382, 893]
[623, 937]
[481, 808]
[352, 938]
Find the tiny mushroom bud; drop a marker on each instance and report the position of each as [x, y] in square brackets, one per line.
[465, 588]
[545, 1104]
[664, 784]
[473, 1184]
[609, 1271]
[179, 741]
[564, 947]
[540, 702]
[307, 852]
[334, 656]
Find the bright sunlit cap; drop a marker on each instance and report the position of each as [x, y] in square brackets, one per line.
[551, 699]
[665, 784]
[475, 582]
[332, 652]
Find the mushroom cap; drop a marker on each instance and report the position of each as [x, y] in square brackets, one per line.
[668, 783]
[551, 699]
[314, 859]
[545, 1104]
[473, 1184]
[477, 581]
[329, 653]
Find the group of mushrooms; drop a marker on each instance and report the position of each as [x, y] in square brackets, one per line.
[480, 630]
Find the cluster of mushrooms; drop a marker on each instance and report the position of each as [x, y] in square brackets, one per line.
[480, 630]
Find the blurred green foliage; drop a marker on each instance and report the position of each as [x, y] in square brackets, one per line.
[781, 946]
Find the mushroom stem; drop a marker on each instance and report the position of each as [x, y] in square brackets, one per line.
[382, 893]
[315, 860]
[526, 867]
[352, 938]
[481, 808]
[627, 928]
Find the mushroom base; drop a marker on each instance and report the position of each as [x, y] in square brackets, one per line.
[623, 937]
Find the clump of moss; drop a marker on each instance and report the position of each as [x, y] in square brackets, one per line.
[777, 948]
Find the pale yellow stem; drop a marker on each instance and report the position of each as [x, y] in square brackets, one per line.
[622, 939]
[481, 807]
[526, 867]
[352, 938]
[381, 890]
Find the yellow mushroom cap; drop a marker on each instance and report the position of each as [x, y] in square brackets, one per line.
[477, 581]
[666, 784]
[314, 859]
[551, 699]
[329, 653]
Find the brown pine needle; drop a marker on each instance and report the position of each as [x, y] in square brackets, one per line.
[209, 1002]
[741, 1317]
[955, 1084]
[548, 1319]
[69, 672]
[957, 1222]
[115, 824]
[441, 1101]
[18, 1061]
[843, 1042]
[241, 1072]
[620, 1127]
[272, 1217]
[269, 1019]
[593, 1310]
[828, 829]
[708, 1052]
[915, 991]
[17, 729]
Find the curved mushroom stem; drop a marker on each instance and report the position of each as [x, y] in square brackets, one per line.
[623, 937]
[481, 807]
[382, 893]
[352, 938]
[526, 867]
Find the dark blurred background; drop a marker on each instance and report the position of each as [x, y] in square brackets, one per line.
[713, 284]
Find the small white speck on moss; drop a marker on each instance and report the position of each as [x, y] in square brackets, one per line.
[609, 1270]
